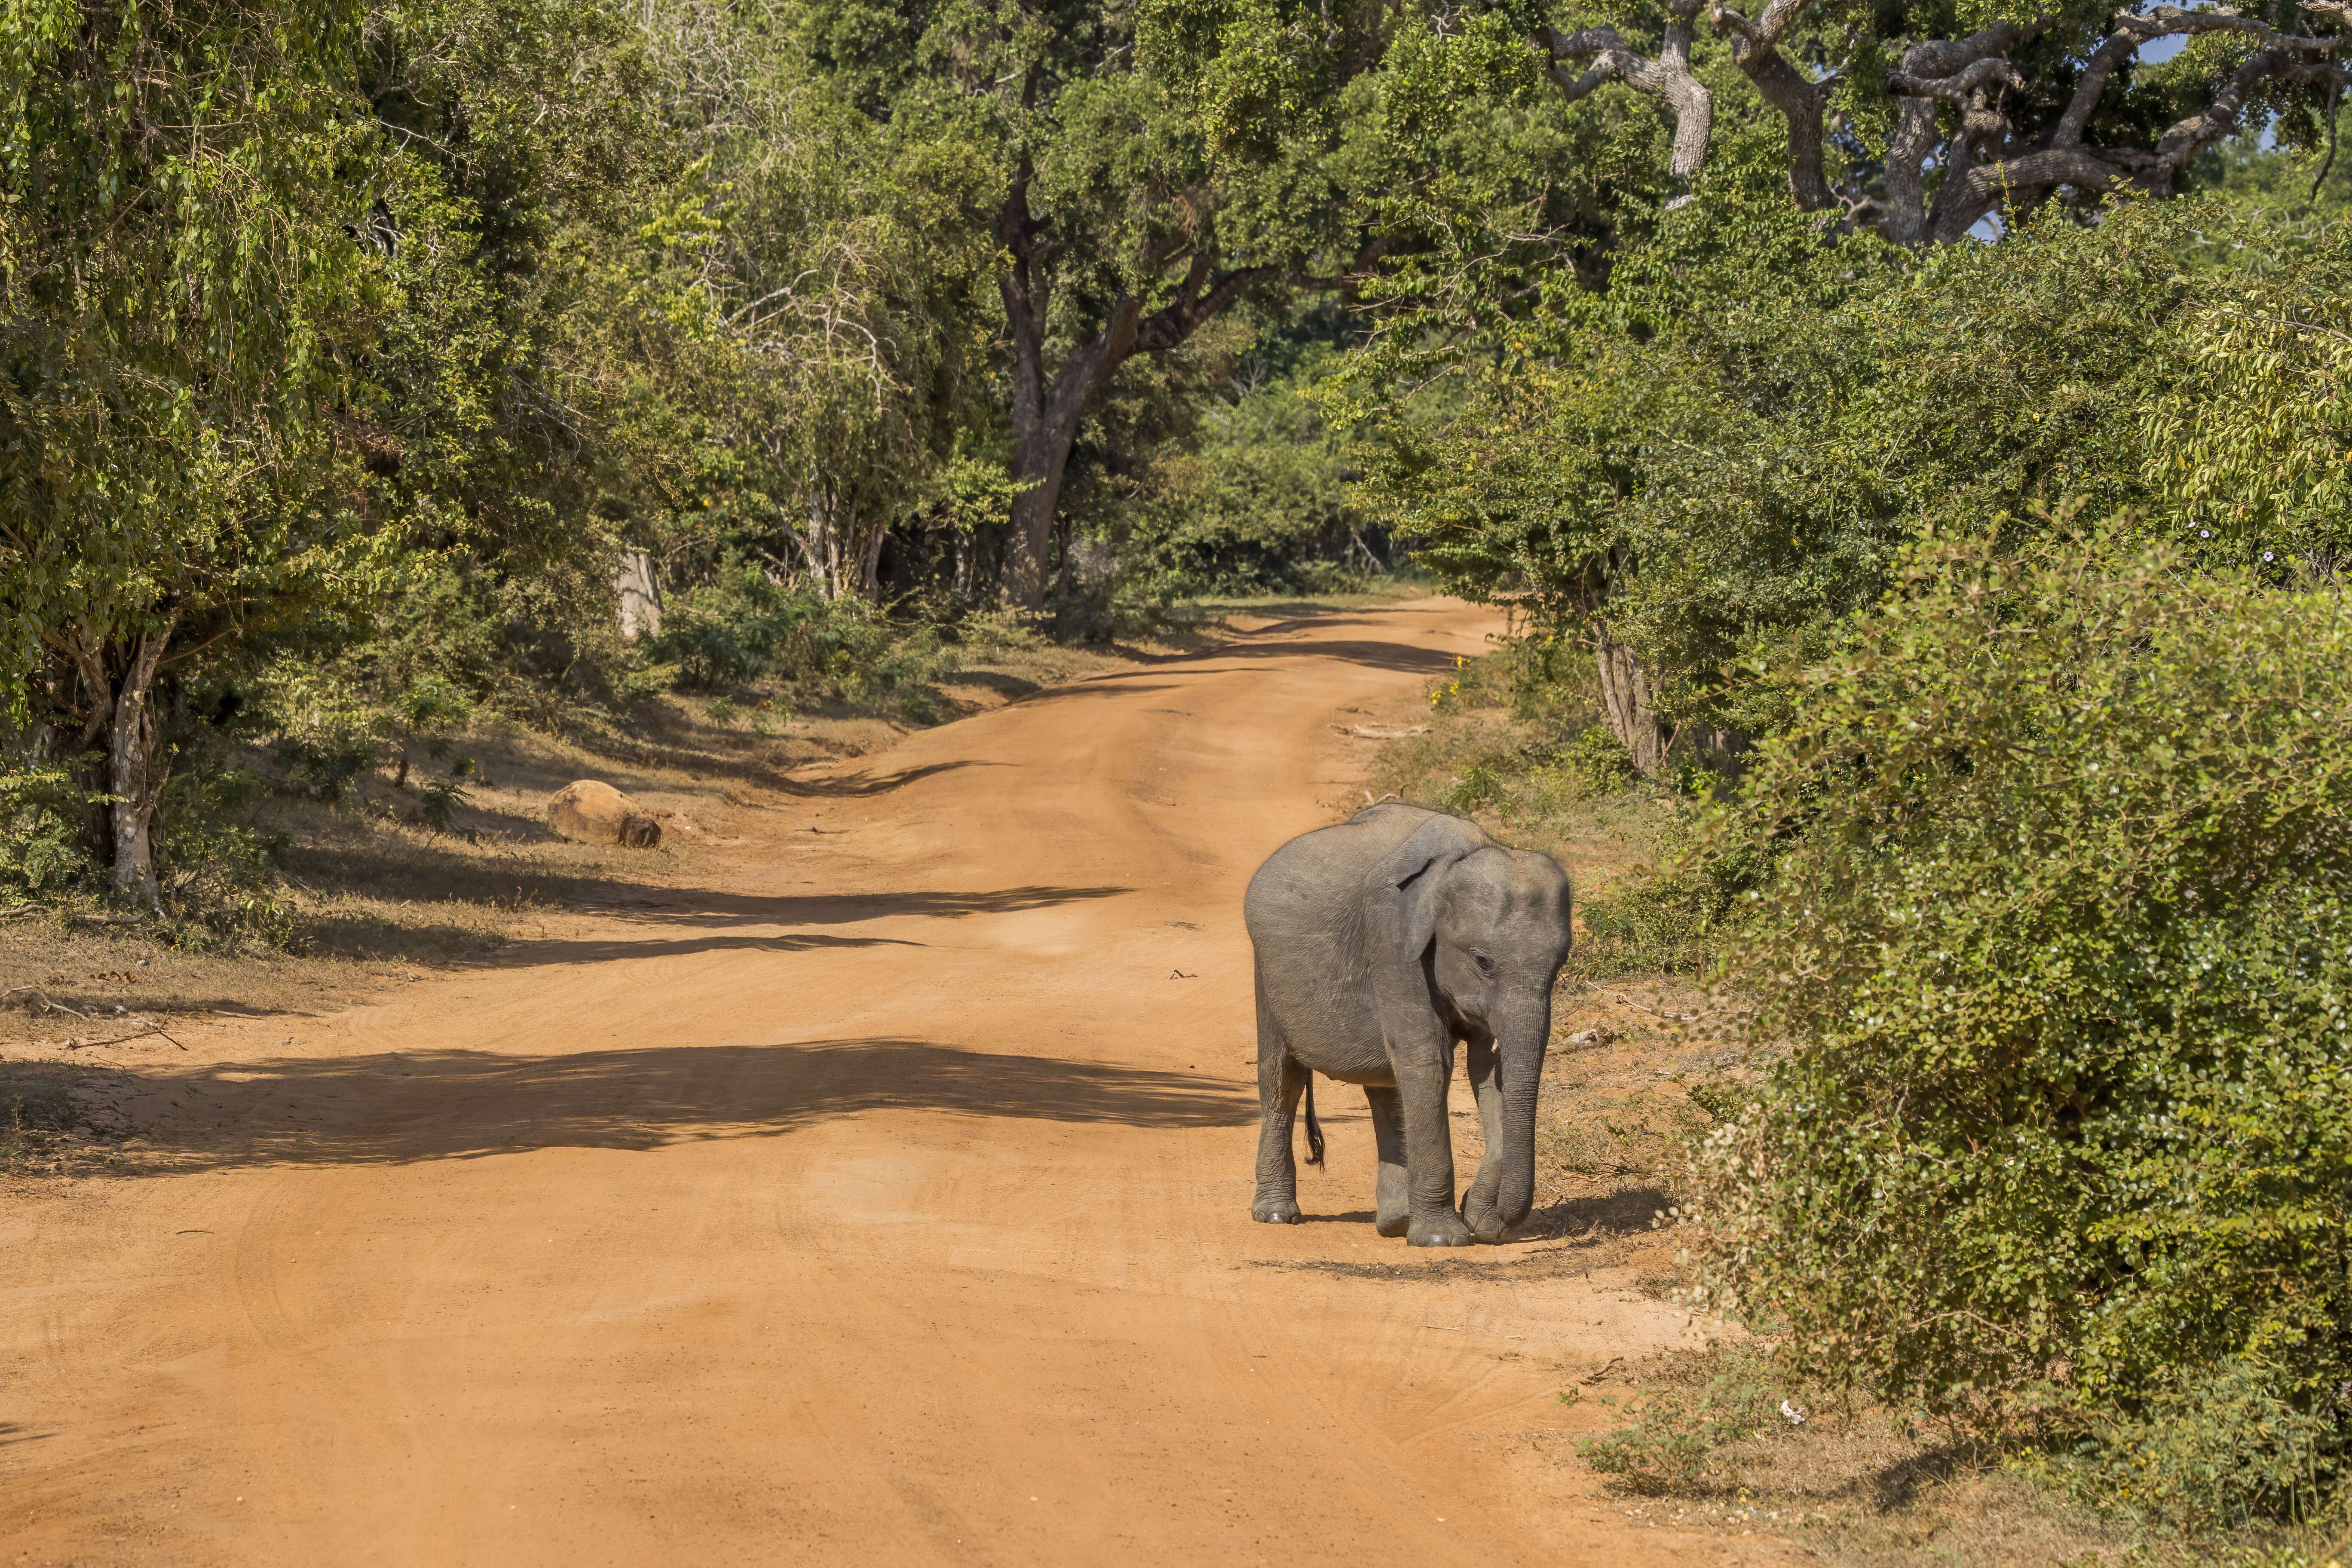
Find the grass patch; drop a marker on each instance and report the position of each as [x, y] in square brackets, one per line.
[1714, 1438]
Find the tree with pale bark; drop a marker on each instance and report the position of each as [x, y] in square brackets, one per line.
[1926, 123]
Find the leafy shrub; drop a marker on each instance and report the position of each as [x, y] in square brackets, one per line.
[40, 841]
[1264, 505]
[747, 628]
[1479, 784]
[1598, 761]
[1677, 1432]
[2058, 938]
[1663, 921]
[334, 728]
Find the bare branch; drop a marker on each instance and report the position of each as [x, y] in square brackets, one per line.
[1767, 30]
[1915, 135]
[2287, 322]
[2133, 32]
[1667, 77]
[1957, 87]
[2188, 137]
[1969, 193]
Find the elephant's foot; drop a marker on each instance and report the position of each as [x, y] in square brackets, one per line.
[1276, 1211]
[1395, 1224]
[1446, 1230]
[1486, 1221]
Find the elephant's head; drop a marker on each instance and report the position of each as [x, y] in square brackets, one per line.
[1487, 929]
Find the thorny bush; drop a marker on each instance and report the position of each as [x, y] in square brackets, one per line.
[2058, 937]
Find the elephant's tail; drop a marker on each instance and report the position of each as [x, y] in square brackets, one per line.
[1314, 1128]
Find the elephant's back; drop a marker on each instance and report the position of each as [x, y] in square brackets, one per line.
[1316, 879]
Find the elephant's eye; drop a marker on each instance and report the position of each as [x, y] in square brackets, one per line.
[1486, 963]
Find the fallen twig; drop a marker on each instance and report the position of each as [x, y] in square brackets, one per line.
[1371, 733]
[126, 1040]
[106, 920]
[46, 1005]
[1620, 996]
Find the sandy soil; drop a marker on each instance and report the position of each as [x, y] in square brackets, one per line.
[884, 1199]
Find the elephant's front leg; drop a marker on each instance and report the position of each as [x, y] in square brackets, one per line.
[1392, 1196]
[1423, 1078]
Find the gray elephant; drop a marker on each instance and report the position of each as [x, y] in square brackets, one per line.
[1380, 942]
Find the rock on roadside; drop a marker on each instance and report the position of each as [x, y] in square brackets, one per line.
[589, 811]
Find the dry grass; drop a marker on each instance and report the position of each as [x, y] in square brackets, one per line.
[1861, 1490]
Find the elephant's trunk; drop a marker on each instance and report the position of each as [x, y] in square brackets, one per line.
[1504, 1192]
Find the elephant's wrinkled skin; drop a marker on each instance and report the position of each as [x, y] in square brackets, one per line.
[1380, 942]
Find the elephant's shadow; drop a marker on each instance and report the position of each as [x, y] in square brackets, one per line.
[1603, 1217]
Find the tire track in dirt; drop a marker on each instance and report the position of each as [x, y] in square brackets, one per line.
[883, 1199]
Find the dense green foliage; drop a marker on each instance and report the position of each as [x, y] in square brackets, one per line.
[1721, 455]
[2058, 932]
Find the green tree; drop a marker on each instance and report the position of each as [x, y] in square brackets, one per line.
[844, 309]
[1708, 466]
[1147, 169]
[183, 289]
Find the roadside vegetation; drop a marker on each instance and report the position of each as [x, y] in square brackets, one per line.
[1911, 444]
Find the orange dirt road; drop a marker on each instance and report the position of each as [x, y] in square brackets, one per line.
[885, 1200]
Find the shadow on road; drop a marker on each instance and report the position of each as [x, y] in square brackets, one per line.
[400, 1108]
[705, 912]
[1624, 1212]
[861, 786]
[1365, 652]
[625, 949]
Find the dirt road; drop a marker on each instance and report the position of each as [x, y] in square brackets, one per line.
[884, 1199]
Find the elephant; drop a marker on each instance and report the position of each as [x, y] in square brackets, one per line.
[1379, 942]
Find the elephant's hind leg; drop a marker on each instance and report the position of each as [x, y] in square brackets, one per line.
[1281, 1080]
[1392, 1197]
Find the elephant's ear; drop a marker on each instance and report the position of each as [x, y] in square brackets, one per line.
[1401, 893]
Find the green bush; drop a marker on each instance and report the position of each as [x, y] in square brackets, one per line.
[1665, 922]
[334, 730]
[40, 838]
[746, 628]
[2058, 938]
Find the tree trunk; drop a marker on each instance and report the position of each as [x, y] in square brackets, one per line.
[1625, 694]
[640, 595]
[1041, 453]
[869, 564]
[137, 770]
[1044, 425]
[82, 669]
[1801, 104]
[121, 710]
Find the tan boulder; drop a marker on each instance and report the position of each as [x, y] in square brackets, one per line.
[588, 812]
